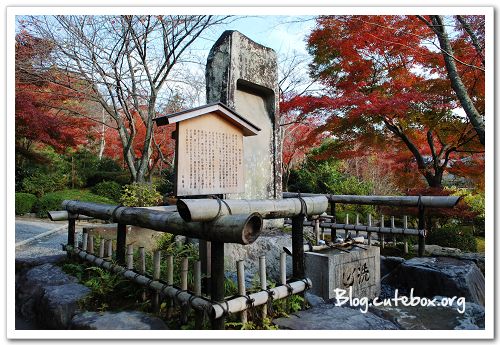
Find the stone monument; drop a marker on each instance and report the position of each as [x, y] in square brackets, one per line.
[243, 75]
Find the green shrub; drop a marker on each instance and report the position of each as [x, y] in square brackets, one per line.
[140, 195]
[120, 177]
[24, 202]
[453, 236]
[108, 189]
[52, 201]
[41, 183]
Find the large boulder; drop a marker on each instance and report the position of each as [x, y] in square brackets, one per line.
[443, 276]
[59, 304]
[327, 316]
[125, 320]
[30, 287]
[388, 264]
[270, 245]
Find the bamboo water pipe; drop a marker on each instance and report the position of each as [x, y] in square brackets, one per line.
[202, 210]
[240, 228]
[64, 215]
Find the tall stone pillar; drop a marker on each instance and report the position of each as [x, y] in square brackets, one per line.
[243, 75]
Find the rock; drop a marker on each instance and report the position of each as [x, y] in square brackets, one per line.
[29, 287]
[389, 263]
[434, 318]
[313, 300]
[133, 320]
[477, 258]
[442, 276]
[435, 250]
[328, 316]
[23, 263]
[270, 246]
[59, 303]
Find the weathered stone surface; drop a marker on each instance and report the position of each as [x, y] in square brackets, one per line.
[442, 276]
[389, 263]
[243, 75]
[332, 269]
[269, 245]
[29, 287]
[29, 262]
[434, 318]
[435, 250]
[327, 316]
[477, 258]
[313, 300]
[59, 303]
[124, 320]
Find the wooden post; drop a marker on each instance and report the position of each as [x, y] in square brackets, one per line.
[142, 268]
[382, 237]
[421, 226]
[242, 291]
[346, 223]
[71, 229]
[217, 280]
[298, 246]
[394, 240]
[283, 268]
[198, 321]
[121, 242]
[102, 246]
[130, 257]
[405, 226]
[369, 234]
[357, 223]
[263, 281]
[155, 301]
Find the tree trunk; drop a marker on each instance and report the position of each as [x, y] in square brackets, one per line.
[456, 81]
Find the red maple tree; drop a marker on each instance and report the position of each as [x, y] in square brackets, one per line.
[386, 89]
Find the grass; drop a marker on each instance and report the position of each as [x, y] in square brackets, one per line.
[480, 244]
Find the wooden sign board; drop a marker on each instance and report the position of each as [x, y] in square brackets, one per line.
[209, 154]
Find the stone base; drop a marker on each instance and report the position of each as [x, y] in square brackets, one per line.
[334, 269]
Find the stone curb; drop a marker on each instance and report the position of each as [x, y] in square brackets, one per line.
[43, 234]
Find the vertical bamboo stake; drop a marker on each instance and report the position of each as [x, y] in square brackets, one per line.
[109, 249]
[357, 223]
[263, 281]
[382, 225]
[333, 232]
[90, 245]
[85, 238]
[184, 286]
[405, 226]
[316, 230]
[369, 234]
[156, 276]
[102, 246]
[170, 281]
[283, 268]
[142, 268]
[198, 322]
[130, 257]
[394, 240]
[121, 242]
[240, 271]
[346, 223]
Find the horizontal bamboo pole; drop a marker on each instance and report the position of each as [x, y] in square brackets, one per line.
[385, 200]
[215, 310]
[64, 215]
[201, 210]
[377, 229]
[240, 228]
[239, 304]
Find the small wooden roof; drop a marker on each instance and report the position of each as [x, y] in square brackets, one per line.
[221, 109]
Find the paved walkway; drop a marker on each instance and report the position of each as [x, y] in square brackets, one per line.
[39, 237]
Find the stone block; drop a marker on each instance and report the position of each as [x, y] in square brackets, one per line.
[125, 320]
[334, 269]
